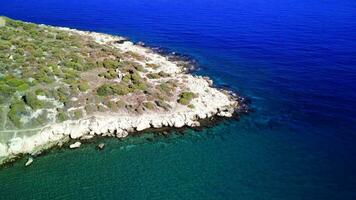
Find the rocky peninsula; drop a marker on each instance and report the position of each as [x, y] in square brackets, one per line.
[58, 84]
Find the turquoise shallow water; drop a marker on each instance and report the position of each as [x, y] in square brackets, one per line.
[215, 163]
[295, 61]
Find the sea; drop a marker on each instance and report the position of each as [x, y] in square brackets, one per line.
[295, 62]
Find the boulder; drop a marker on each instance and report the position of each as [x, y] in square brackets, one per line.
[178, 121]
[75, 145]
[121, 133]
[29, 161]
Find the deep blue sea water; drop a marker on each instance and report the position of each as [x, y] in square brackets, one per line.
[295, 60]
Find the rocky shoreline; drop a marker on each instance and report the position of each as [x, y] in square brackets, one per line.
[210, 102]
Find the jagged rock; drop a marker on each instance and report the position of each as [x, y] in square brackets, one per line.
[75, 145]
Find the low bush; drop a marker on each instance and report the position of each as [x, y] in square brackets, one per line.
[120, 89]
[17, 109]
[148, 105]
[153, 76]
[113, 89]
[31, 100]
[83, 86]
[186, 97]
[78, 114]
[110, 64]
[62, 116]
[104, 90]
[110, 74]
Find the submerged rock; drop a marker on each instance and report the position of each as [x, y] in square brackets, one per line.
[101, 146]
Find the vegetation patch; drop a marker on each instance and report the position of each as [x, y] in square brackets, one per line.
[31, 100]
[186, 97]
[17, 110]
[113, 89]
[77, 75]
[149, 105]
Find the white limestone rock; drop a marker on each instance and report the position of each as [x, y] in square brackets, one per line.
[75, 145]
[29, 161]
[15, 145]
[86, 137]
[143, 124]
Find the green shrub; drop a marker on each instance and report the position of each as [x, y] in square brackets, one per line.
[78, 114]
[61, 94]
[31, 100]
[148, 105]
[110, 64]
[113, 89]
[165, 88]
[110, 74]
[6, 92]
[186, 97]
[126, 78]
[104, 90]
[23, 87]
[62, 116]
[83, 86]
[138, 67]
[120, 89]
[17, 109]
[40, 92]
[153, 76]
[13, 81]
[135, 77]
